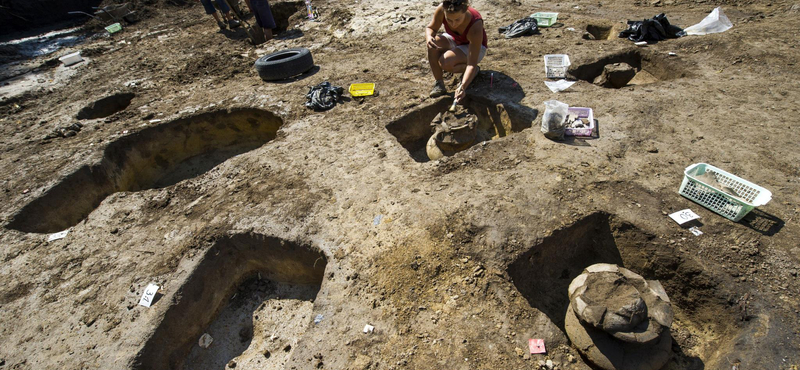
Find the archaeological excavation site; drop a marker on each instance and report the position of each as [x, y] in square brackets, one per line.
[598, 185]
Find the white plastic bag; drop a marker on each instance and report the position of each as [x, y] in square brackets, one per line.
[715, 22]
[555, 114]
[558, 86]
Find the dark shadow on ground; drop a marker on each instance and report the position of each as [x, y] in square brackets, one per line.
[299, 77]
[543, 273]
[762, 222]
[290, 35]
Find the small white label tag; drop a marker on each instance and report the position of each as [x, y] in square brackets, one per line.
[58, 235]
[695, 231]
[148, 295]
[682, 217]
[369, 328]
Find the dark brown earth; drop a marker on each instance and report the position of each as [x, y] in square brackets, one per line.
[237, 200]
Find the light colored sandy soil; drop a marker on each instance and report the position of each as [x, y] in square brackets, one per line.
[456, 262]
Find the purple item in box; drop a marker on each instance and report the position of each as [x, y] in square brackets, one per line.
[581, 113]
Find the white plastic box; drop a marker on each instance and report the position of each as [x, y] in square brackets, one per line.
[555, 65]
[71, 59]
[749, 195]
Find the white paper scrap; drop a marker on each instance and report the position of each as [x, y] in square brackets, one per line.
[148, 295]
[205, 341]
[695, 231]
[682, 217]
[560, 85]
[369, 328]
[58, 235]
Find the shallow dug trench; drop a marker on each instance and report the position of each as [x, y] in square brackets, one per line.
[706, 325]
[154, 157]
[106, 106]
[496, 119]
[597, 32]
[650, 67]
[253, 295]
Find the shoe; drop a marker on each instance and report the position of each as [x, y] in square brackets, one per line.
[222, 26]
[438, 89]
[234, 23]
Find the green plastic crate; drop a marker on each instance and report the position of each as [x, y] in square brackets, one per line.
[729, 206]
[545, 19]
[116, 27]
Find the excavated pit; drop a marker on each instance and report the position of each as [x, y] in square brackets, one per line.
[154, 157]
[286, 14]
[705, 318]
[496, 119]
[253, 294]
[106, 106]
[650, 67]
[597, 32]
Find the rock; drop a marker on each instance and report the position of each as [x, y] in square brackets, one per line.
[615, 309]
[232, 364]
[615, 75]
[549, 364]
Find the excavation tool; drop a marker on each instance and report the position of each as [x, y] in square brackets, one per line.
[254, 32]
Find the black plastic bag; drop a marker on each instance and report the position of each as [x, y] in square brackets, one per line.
[652, 30]
[323, 96]
[522, 27]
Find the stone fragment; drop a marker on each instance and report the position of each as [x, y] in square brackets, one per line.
[615, 75]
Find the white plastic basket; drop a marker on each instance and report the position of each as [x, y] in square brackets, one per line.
[748, 194]
[555, 65]
[71, 59]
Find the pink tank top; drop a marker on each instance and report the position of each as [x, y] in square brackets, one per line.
[461, 39]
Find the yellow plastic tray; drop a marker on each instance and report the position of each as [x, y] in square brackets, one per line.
[366, 89]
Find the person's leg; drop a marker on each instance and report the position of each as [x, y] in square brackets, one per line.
[443, 44]
[213, 12]
[263, 15]
[458, 62]
[454, 61]
[226, 12]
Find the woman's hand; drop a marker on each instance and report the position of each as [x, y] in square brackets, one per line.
[431, 42]
[460, 93]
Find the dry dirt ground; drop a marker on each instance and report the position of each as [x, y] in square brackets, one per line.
[282, 232]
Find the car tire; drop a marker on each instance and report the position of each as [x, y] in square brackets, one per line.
[284, 64]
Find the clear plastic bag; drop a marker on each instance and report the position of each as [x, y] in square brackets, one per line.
[555, 114]
[715, 22]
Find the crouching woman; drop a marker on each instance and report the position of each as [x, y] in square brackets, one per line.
[459, 49]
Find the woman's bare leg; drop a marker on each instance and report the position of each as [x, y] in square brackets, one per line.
[434, 56]
[454, 61]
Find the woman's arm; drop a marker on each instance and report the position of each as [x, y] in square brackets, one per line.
[475, 37]
[433, 27]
